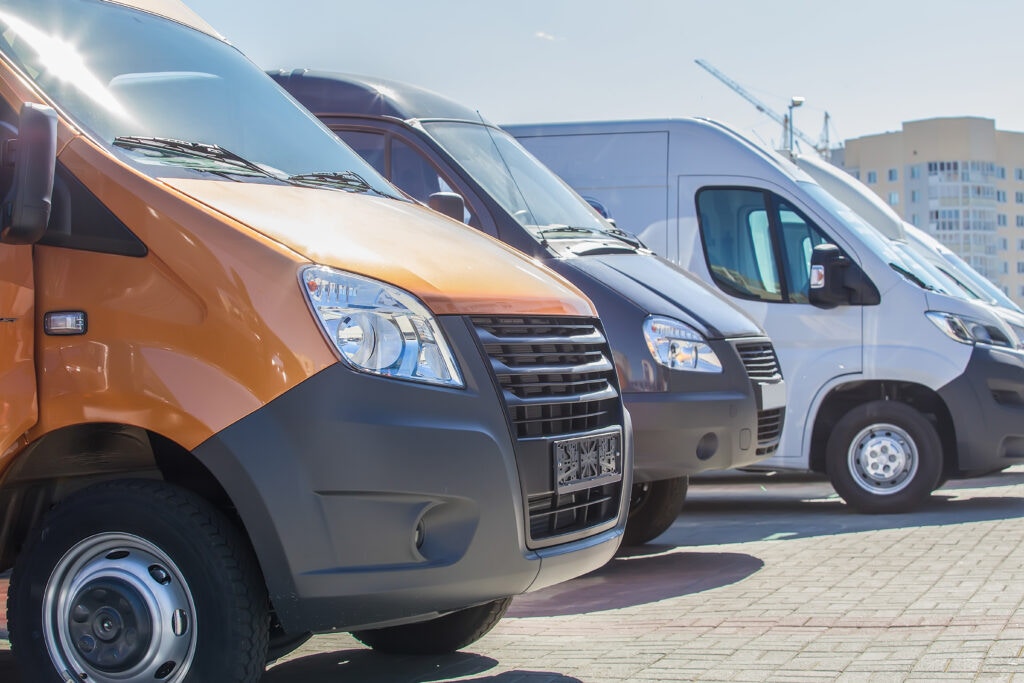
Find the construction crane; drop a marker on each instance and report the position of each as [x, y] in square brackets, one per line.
[786, 121]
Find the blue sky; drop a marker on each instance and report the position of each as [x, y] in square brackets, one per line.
[871, 64]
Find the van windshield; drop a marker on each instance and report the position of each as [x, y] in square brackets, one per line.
[523, 186]
[899, 260]
[141, 85]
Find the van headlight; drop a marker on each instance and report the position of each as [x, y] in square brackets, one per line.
[379, 329]
[678, 346]
[967, 330]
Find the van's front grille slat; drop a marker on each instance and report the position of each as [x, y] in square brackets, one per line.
[558, 382]
[760, 361]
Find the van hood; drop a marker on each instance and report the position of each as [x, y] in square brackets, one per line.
[662, 288]
[452, 268]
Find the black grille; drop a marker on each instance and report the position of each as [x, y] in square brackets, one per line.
[555, 373]
[760, 361]
[553, 515]
[769, 430]
[558, 382]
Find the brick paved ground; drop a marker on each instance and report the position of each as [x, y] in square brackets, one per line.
[759, 580]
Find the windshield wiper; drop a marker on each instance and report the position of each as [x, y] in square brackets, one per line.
[913, 278]
[343, 180]
[197, 150]
[566, 228]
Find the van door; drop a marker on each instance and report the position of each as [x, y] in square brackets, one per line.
[757, 248]
[18, 398]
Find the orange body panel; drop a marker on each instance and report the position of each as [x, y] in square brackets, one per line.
[450, 267]
[206, 328]
[17, 365]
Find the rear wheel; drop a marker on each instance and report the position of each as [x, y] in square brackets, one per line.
[653, 506]
[437, 636]
[133, 581]
[884, 457]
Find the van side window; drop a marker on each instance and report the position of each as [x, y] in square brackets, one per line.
[737, 235]
[757, 245]
[370, 146]
[404, 165]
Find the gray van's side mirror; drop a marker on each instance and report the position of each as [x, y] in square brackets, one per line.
[26, 208]
[838, 281]
[451, 204]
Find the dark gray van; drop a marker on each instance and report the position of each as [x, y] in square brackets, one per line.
[699, 377]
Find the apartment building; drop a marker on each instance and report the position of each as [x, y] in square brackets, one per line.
[958, 178]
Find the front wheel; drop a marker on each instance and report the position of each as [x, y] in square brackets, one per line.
[437, 636]
[653, 506]
[133, 581]
[884, 457]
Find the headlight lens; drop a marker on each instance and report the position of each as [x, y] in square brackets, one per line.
[378, 328]
[967, 330]
[678, 346]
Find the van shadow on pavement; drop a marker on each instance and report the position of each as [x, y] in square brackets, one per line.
[744, 510]
[367, 666]
[637, 576]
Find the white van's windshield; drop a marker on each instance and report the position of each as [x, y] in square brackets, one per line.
[166, 97]
[910, 268]
[523, 186]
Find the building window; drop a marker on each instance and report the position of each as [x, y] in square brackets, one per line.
[1020, 267]
[1003, 244]
[1001, 172]
[1001, 220]
[872, 177]
[893, 175]
[1020, 221]
[1020, 244]
[1018, 174]
[913, 196]
[915, 220]
[855, 174]
[915, 172]
[894, 198]
[1018, 197]
[1001, 196]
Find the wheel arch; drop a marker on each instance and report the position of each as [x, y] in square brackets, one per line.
[69, 459]
[846, 396]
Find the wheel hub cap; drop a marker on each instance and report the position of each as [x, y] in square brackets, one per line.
[109, 625]
[883, 458]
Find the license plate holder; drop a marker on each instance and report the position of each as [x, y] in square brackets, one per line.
[587, 461]
[773, 395]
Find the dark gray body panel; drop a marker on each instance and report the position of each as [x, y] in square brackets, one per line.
[987, 404]
[332, 479]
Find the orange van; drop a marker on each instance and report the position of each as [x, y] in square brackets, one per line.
[248, 391]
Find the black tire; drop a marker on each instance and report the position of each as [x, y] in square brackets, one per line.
[884, 457]
[137, 580]
[437, 636]
[653, 506]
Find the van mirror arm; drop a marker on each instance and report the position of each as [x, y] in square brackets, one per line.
[838, 281]
[25, 211]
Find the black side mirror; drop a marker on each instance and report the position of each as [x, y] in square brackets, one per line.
[838, 281]
[26, 208]
[450, 204]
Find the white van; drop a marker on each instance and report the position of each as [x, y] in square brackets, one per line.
[894, 386]
[962, 278]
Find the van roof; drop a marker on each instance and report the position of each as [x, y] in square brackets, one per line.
[172, 9]
[705, 146]
[325, 93]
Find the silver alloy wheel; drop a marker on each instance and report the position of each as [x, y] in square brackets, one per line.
[117, 609]
[883, 459]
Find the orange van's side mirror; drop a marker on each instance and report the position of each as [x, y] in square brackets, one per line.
[26, 208]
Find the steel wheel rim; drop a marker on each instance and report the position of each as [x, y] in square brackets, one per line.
[883, 459]
[117, 608]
